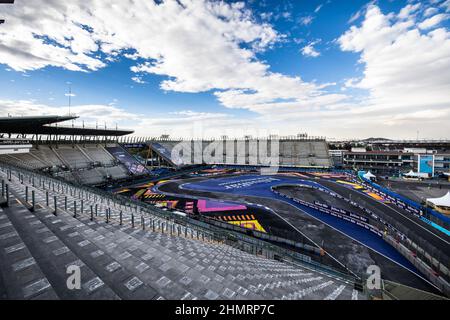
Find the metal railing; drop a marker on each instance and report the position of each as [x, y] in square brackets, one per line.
[234, 238]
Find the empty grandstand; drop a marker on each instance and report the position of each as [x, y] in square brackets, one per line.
[55, 213]
[289, 152]
[77, 154]
[130, 251]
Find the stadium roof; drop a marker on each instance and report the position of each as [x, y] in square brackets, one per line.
[48, 125]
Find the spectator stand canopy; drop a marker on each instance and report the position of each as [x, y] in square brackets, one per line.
[441, 204]
[49, 125]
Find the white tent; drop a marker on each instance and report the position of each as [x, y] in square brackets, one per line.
[441, 202]
[410, 174]
[369, 176]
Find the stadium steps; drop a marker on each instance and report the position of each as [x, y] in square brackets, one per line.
[198, 266]
[86, 244]
[84, 153]
[59, 157]
[21, 277]
[235, 275]
[92, 253]
[53, 256]
[46, 155]
[44, 164]
[124, 259]
[181, 268]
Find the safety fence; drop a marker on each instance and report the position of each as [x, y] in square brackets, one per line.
[404, 203]
[435, 270]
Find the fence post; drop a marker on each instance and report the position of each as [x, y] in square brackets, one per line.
[7, 195]
[92, 213]
[96, 209]
[120, 217]
[46, 197]
[32, 201]
[54, 202]
[65, 203]
[3, 188]
[132, 221]
[74, 208]
[26, 194]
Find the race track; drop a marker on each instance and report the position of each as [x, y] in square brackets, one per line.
[351, 242]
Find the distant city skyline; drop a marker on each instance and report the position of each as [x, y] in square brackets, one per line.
[192, 68]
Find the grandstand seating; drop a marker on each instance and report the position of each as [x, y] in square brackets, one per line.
[89, 177]
[98, 154]
[87, 164]
[293, 153]
[26, 159]
[165, 261]
[46, 155]
[72, 156]
[123, 157]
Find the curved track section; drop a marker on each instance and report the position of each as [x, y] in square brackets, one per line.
[258, 189]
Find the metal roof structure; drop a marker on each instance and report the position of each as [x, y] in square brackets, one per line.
[49, 125]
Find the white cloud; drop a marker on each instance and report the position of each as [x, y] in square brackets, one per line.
[430, 11]
[351, 83]
[433, 21]
[197, 45]
[306, 21]
[318, 8]
[310, 51]
[138, 79]
[409, 10]
[405, 69]
[202, 46]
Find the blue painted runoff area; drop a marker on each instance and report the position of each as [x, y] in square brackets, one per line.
[260, 186]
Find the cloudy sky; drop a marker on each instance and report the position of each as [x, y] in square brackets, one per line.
[335, 68]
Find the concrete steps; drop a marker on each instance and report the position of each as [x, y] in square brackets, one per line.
[53, 256]
[120, 262]
[21, 277]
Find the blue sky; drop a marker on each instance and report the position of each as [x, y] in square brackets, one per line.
[333, 68]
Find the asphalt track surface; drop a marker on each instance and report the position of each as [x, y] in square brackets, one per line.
[353, 252]
[417, 191]
[437, 239]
